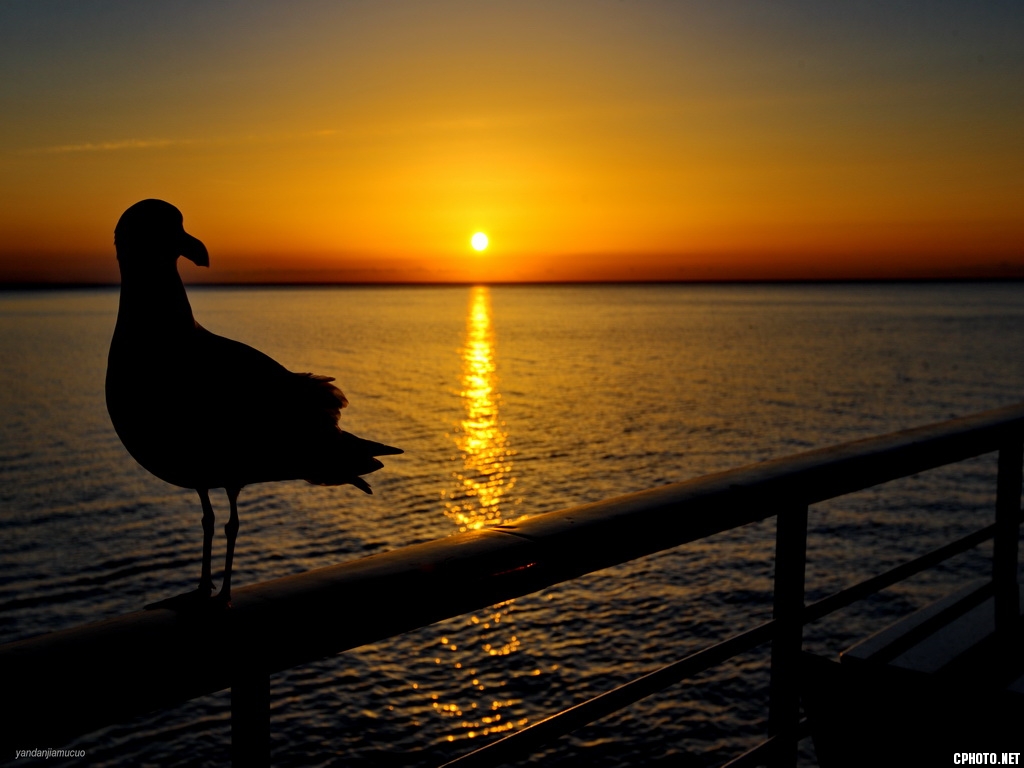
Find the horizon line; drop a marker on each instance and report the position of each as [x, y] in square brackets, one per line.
[17, 286]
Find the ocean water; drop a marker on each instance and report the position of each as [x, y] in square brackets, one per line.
[509, 401]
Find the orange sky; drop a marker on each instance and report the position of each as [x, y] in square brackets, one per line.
[590, 140]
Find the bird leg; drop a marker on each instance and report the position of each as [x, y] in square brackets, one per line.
[198, 598]
[206, 579]
[231, 531]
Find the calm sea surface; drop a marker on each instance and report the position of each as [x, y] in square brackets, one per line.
[509, 401]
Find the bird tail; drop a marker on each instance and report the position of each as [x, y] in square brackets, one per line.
[362, 485]
[356, 458]
[379, 449]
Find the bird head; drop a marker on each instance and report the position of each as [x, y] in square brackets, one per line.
[153, 229]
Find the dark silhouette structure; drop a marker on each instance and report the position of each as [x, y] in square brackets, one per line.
[202, 411]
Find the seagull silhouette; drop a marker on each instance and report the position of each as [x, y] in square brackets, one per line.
[202, 411]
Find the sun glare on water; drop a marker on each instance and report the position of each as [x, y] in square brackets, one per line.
[479, 241]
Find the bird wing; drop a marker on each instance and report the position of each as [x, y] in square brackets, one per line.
[204, 411]
[226, 415]
[244, 385]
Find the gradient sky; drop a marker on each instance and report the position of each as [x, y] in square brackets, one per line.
[367, 141]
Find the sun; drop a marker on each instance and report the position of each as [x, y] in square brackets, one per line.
[479, 241]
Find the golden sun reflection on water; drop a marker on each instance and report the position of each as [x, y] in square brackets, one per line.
[478, 497]
[486, 477]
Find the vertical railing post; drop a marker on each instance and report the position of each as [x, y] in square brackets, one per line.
[250, 718]
[1004, 543]
[784, 690]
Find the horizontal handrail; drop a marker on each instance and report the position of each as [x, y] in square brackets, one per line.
[286, 622]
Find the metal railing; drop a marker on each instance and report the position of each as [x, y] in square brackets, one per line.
[79, 679]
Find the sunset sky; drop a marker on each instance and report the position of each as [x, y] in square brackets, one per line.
[368, 141]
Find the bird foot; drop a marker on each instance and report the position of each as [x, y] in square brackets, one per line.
[189, 601]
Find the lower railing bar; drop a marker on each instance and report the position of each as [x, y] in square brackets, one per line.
[877, 583]
[762, 753]
[527, 740]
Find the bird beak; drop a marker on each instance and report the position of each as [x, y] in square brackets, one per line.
[194, 250]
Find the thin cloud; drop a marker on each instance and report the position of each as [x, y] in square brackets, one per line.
[114, 146]
[132, 144]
